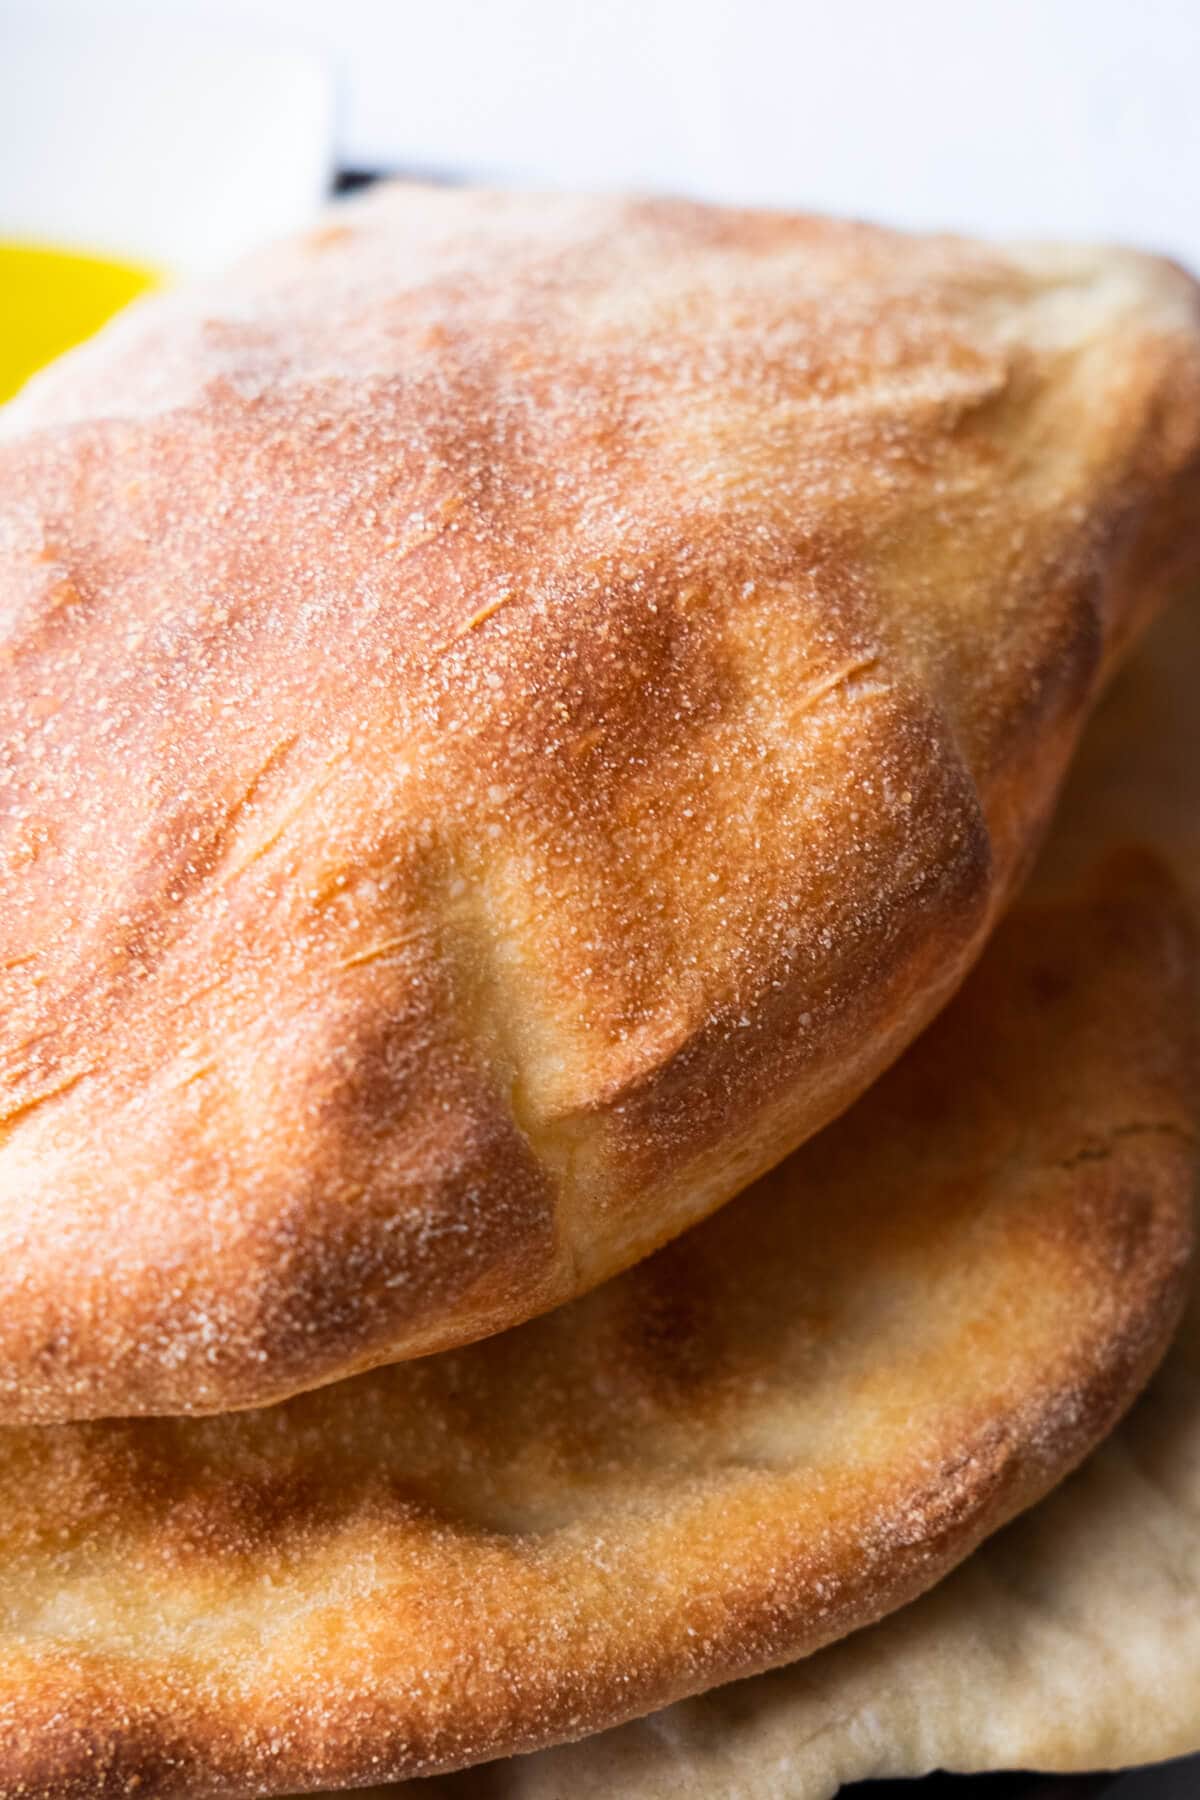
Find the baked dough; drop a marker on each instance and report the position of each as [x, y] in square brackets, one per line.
[513, 711]
[788, 1422]
[1069, 1642]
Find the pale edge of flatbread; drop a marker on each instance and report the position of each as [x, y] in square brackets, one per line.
[1071, 1641]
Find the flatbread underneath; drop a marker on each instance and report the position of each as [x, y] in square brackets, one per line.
[1070, 1641]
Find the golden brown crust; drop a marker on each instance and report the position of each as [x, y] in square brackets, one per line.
[1071, 1641]
[513, 712]
[789, 1421]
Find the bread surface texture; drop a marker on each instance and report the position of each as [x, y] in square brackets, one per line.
[513, 710]
[1069, 1641]
[782, 1426]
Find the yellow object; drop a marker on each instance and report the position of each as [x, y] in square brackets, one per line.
[51, 299]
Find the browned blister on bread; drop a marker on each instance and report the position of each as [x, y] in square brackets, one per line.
[513, 711]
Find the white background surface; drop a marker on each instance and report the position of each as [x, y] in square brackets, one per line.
[1075, 117]
[176, 136]
[1053, 116]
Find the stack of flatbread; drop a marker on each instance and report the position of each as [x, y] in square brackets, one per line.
[553, 1153]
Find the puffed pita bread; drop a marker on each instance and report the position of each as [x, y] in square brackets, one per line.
[785, 1424]
[514, 710]
[1070, 1641]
